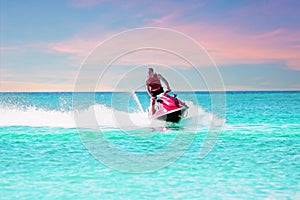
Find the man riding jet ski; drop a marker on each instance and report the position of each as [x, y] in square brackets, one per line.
[169, 108]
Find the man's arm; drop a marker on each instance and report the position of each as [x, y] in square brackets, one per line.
[165, 82]
[148, 89]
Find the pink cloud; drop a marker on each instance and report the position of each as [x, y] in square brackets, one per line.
[22, 86]
[226, 43]
[231, 45]
[161, 20]
[272, 46]
[76, 49]
[76, 46]
[269, 34]
[8, 48]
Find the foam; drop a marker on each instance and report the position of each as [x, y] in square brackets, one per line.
[96, 116]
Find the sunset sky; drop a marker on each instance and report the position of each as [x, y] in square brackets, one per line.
[254, 43]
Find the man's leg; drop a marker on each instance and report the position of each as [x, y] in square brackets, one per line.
[152, 105]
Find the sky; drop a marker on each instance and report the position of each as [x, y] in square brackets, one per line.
[252, 44]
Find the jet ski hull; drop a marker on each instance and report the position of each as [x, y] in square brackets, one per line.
[172, 116]
[169, 109]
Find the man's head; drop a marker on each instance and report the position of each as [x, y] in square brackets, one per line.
[150, 71]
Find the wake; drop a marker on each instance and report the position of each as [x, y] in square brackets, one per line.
[98, 116]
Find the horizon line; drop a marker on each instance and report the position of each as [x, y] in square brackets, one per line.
[204, 91]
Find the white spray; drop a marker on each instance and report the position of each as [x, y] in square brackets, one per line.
[137, 101]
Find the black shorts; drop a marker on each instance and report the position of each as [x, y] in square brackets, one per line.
[157, 92]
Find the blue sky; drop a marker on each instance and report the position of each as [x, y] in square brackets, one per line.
[255, 44]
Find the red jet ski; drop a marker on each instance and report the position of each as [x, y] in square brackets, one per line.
[169, 108]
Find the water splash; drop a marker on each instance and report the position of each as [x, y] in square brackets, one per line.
[138, 102]
[106, 117]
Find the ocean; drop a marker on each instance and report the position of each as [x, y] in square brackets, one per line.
[233, 145]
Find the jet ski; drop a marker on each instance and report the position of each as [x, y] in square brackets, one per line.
[169, 108]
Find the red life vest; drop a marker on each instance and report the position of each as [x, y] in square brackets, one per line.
[154, 82]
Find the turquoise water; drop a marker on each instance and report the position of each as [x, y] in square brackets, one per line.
[43, 154]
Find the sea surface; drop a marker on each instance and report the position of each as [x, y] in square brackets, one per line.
[233, 145]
